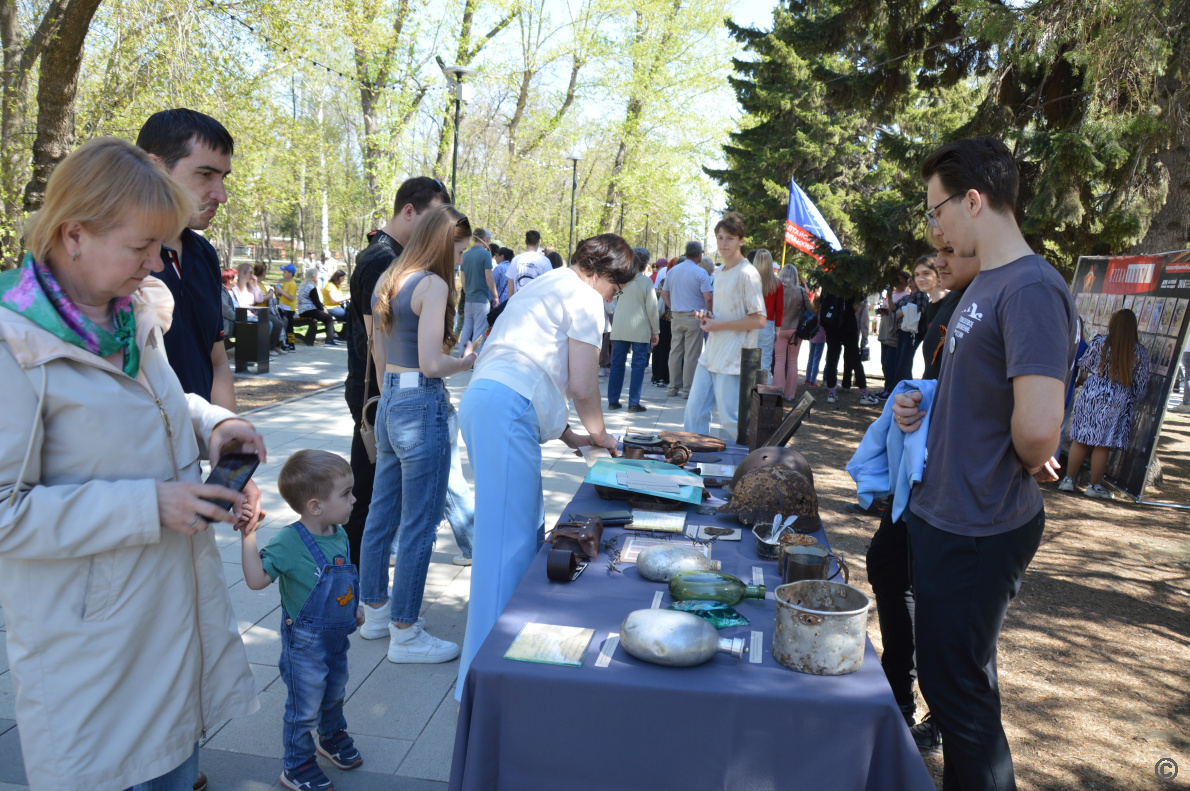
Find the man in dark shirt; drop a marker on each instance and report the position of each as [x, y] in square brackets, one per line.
[976, 518]
[414, 198]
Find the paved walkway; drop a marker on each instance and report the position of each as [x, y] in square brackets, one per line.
[401, 716]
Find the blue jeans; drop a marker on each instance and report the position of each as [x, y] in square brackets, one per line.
[719, 391]
[615, 380]
[813, 362]
[314, 669]
[502, 435]
[768, 334]
[460, 502]
[178, 779]
[412, 452]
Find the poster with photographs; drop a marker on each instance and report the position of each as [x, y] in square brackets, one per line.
[1157, 289]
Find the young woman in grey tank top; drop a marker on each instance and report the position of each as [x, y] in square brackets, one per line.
[413, 317]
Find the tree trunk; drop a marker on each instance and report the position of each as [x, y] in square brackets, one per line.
[56, 89]
[1170, 229]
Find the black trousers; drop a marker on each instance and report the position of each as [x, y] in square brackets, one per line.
[661, 354]
[848, 344]
[889, 575]
[364, 472]
[963, 586]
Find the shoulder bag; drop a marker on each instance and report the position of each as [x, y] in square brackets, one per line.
[367, 430]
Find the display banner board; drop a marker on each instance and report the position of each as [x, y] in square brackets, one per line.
[1157, 289]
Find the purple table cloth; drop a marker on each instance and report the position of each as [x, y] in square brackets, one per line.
[727, 724]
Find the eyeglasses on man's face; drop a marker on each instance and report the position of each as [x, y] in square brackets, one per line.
[932, 212]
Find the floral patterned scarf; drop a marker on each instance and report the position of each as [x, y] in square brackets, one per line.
[33, 292]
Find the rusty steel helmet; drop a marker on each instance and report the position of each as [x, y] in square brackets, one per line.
[774, 489]
[763, 457]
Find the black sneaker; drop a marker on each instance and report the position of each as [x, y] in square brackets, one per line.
[927, 737]
[614, 404]
[340, 750]
[635, 408]
[307, 777]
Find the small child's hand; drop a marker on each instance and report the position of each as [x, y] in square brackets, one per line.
[359, 616]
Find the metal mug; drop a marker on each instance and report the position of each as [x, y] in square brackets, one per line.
[810, 563]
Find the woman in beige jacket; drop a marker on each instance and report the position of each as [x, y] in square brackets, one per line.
[121, 638]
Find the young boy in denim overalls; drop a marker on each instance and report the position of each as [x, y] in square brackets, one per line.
[320, 608]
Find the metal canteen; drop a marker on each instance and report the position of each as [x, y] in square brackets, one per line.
[674, 639]
[763, 457]
[661, 563]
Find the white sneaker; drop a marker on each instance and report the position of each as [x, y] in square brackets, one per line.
[831, 398]
[375, 622]
[1099, 492]
[868, 400]
[1066, 485]
[415, 645]
[461, 560]
[1182, 408]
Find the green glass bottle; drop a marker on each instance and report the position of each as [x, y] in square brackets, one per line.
[712, 586]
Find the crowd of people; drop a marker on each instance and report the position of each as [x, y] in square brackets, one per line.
[114, 329]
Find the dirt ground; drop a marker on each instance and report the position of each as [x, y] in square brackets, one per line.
[1095, 651]
[255, 393]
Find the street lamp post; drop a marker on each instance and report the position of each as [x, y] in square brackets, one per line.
[458, 73]
[574, 159]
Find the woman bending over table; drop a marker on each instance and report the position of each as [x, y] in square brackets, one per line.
[544, 350]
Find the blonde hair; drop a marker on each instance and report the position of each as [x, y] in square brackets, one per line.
[789, 275]
[309, 475]
[763, 261]
[102, 184]
[431, 248]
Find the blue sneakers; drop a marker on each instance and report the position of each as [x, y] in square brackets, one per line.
[340, 750]
[307, 777]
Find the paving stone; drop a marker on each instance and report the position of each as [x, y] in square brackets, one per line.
[7, 698]
[12, 766]
[263, 642]
[433, 751]
[12, 787]
[7, 725]
[381, 756]
[264, 675]
[3, 653]
[398, 700]
[230, 771]
[256, 734]
[251, 606]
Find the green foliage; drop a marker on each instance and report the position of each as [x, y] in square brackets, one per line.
[847, 97]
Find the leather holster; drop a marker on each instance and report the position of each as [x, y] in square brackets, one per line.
[581, 537]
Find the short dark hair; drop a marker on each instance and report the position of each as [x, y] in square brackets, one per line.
[419, 192]
[693, 249]
[533, 238]
[609, 255]
[310, 474]
[507, 253]
[555, 259]
[983, 164]
[167, 135]
[642, 256]
[732, 224]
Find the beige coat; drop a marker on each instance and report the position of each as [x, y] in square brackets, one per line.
[121, 638]
[636, 312]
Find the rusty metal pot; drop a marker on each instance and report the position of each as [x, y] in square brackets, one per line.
[820, 627]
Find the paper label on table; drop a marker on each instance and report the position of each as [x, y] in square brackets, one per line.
[757, 575]
[716, 470]
[707, 532]
[656, 601]
[593, 453]
[756, 648]
[663, 521]
[647, 483]
[634, 545]
[552, 645]
[609, 648]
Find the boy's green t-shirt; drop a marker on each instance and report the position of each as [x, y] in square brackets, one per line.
[291, 565]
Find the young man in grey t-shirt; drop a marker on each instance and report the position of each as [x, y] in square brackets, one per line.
[976, 519]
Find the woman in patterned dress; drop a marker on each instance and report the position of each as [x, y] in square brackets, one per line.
[1117, 368]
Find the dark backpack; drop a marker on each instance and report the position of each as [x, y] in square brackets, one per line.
[807, 325]
[832, 316]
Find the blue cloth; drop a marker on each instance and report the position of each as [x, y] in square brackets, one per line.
[314, 656]
[460, 502]
[686, 284]
[500, 277]
[501, 431]
[889, 460]
[708, 391]
[412, 454]
[813, 361]
[615, 379]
